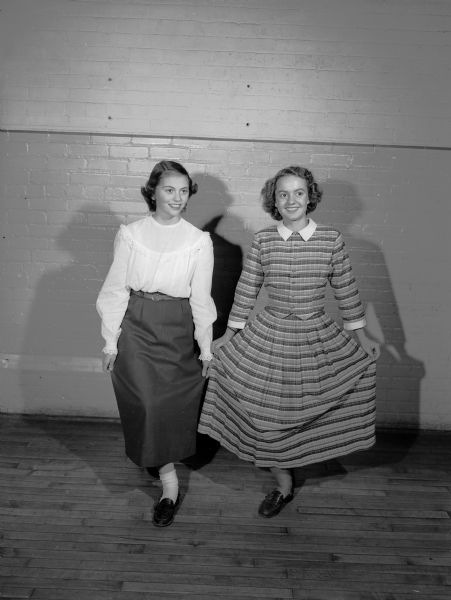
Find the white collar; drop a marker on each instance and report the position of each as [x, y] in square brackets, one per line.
[305, 233]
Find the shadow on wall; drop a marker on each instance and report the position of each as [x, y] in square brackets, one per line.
[60, 358]
[398, 374]
[208, 210]
[63, 332]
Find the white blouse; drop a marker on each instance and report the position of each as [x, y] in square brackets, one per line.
[173, 259]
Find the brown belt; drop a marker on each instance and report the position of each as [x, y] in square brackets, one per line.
[155, 296]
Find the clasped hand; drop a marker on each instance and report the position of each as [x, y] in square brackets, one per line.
[371, 347]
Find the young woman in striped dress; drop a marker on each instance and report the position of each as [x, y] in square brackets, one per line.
[291, 387]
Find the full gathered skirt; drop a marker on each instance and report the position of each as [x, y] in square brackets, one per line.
[288, 392]
[157, 380]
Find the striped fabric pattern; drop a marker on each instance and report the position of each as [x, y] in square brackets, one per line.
[296, 273]
[292, 387]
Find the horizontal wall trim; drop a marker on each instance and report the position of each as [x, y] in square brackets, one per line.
[226, 139]
[28, 362]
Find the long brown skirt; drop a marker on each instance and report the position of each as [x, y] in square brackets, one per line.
[157, 380]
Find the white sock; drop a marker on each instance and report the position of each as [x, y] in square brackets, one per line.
[170, 484]
[284, 479]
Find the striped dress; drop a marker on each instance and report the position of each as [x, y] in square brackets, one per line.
[293, 387]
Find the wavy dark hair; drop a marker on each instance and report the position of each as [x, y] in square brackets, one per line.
[148, 191]
[269, 190]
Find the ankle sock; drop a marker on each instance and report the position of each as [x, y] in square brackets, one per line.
[170, 484]
[284, 479]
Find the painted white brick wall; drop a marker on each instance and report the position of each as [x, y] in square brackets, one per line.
[360, 71]
[64, 195]
[358, 90]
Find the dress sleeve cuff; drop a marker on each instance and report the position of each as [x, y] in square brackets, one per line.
[205, 356]
[236, 324]
[353, 325]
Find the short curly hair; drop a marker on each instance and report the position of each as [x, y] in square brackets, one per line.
[148, 191]
[269, 190]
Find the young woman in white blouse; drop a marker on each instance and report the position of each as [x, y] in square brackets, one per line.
[155, 304]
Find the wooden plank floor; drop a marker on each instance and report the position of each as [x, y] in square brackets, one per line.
[75, 522]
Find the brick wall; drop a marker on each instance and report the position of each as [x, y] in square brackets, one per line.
[64, 195]
[366, 71]
[94, 92]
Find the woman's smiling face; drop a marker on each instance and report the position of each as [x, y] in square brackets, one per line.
[292, 198]
[171, 197]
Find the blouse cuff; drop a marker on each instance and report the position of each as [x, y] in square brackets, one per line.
[206, 356]
[355, 325]
[109, 350]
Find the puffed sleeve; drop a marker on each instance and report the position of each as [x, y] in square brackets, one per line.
[345, 287]
[201, 302]
[113, 298]
[248, 287]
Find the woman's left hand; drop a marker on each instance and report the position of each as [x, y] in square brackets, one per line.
[206, 368]
[371, 347]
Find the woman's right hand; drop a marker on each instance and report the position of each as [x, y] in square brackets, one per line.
[224, 339]
[108, 362]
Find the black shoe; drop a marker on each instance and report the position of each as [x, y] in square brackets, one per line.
[273, 503]
[164, 512]
[153, 472]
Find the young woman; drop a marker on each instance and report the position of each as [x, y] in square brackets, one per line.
[291, 387]
[155, 304]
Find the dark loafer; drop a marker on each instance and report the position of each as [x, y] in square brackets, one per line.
[273, 503]
[164, 512]
[153, 472]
